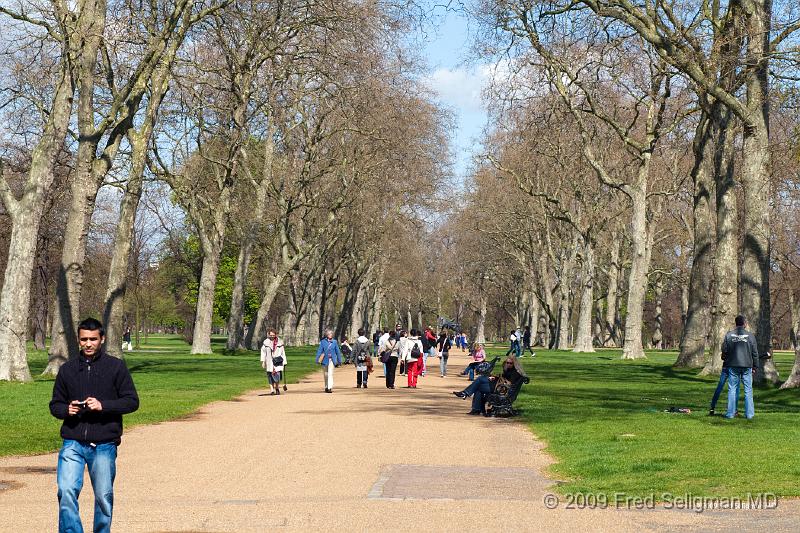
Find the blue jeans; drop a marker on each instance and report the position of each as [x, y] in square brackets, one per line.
[72, 459]
[478, 389]
[744, 375]
[723, 377]
[515, 347]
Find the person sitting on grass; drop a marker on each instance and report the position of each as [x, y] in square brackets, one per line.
[478, 356]
[484, 385]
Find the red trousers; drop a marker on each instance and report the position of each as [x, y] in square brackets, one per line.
[413, 369]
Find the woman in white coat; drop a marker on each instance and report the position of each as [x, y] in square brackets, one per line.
[273, 360]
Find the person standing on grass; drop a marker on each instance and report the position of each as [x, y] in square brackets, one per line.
[740, 352]
[362, 359]
[329, 355]
[526, 342]
[126, 340]
[391, 353]
[723, 378]
[273, 360]
[91, 393]
[443, 344]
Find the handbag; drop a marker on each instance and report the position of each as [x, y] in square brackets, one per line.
[277, 361]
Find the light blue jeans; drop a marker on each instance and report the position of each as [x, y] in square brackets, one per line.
[72, 459]
[738, 374]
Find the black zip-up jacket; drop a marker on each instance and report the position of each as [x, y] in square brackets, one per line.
[103, 377]
[739, 349]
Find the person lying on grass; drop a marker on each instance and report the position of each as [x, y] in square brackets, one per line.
[484, 385]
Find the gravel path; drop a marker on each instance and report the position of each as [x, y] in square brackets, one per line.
[355, 460]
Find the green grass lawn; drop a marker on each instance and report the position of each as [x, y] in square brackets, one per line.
[170, 382]
[602, 419]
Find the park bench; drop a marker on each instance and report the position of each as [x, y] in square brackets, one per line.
[500, 402]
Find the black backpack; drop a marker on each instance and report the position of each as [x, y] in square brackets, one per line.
[415, 353]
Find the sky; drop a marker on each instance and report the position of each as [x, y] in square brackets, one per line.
[458, 84]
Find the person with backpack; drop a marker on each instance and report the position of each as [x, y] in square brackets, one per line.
[443, 344]
[412, 355]
[273, 361]
[402, 340]
[329, 355]
[390, 351]
[362, 359]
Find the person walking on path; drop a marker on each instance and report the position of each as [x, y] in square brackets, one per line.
[329, 355]
[402, 340]
[429, 346]
[362, 359]
[378, 349]
[347, 351]
[90, 394]
[740, 352]
[413, 356]
[390, 353]
[273, 361]
[444, 345]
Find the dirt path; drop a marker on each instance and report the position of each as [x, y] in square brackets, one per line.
[355, 460]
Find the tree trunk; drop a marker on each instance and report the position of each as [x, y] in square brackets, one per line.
[794, 377]
[641, 239]
[612, 336]
[480, 330]
[756, 182]
[726, 258]
[204, 314]
[15, 297]
[658, 335]
[695, 328]
[236, 317]
[583, 341]
[40, 296]
[257, 331]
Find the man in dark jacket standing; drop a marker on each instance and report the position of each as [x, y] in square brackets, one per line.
[740, 353]
[91, 393]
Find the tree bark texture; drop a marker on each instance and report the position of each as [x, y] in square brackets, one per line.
[696, 325]
[583, 340]
[793, 381]
[726, 259]
[611, 321]
[642, 241]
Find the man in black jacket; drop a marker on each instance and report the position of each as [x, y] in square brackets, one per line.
[740, 353]
[91, 393]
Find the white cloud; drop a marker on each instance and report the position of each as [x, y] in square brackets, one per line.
[459, 88]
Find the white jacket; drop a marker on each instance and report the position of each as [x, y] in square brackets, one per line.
[267, 355]
[408, 345]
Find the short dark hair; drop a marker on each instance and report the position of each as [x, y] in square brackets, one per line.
[92, 324]
[392, 334]
[740, 320]
[361, 331]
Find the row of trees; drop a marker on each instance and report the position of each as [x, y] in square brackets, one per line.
[641, 149]
[292, 136]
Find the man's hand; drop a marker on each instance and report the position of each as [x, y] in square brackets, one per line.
[93, 404]
[74, 407]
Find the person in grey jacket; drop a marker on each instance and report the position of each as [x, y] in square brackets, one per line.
[740, 353]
